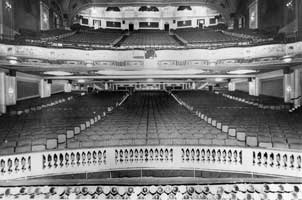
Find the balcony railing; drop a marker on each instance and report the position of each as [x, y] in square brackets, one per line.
[281, 163]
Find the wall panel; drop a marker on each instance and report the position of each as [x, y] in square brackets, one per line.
[242, 86]
[26, 90]
[272, 87]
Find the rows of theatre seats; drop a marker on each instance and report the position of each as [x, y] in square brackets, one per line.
[50, 128]
[99, 37]
[205, 37]
[150, 118]
[34, 104]
[149, 38]
[249, 124]
[108, 38]
[262, 101]
[241, 191]
[48, 35]
[254, 33]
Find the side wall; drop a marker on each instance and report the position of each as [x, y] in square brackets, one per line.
[272, 87]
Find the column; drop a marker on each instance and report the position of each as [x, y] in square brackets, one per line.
[193, 85]
[106, 86]
[1, 18]
[2, 92]
[297, 90]
[10, 90]
[67, 87]
[231, 86]
[289, 87]
[299, 18]
[257, 86]
[254, 87]
[45, 89]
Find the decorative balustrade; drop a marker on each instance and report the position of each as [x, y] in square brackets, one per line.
[243, 55]
[209, 158]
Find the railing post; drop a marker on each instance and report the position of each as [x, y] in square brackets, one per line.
[36, 164]
[110, 160]
[247, 159]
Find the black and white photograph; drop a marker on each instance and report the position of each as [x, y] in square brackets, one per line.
[151, 99]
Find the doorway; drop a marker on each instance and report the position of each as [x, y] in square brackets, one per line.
[200, 23]
[131, 27]
[167, 27]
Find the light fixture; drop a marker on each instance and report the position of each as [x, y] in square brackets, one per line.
[242, 71]
[10, 91]
[81, 81]
[288, 89]
[89, 63]
[12, 60]
[150, 80]
[219, 79]
[287, 59]
[58, 73]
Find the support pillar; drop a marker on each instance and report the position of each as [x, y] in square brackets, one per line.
[289, 87]
[231, 86]
[106, 86]
[1, 19]
[299, 18]
[257, 86]
[254, 87]
[10, 90]
[193, 86]
[297, 90]
[2, 93]
[67, 87]
[45, 89]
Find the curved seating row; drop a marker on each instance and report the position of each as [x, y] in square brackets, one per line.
[251, 125]
[93, 37]
[263, 102]
[151, 118]
[50, 128]
[149, 38]
[31, 105]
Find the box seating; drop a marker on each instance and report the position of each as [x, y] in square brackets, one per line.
[254, 126]
[151, 118]
[35, 104]
[46, 128]
[261, 99]
[149, 38]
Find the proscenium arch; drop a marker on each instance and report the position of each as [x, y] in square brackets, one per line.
[225, 12]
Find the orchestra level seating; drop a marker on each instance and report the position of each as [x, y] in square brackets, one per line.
[260, 100]
[151, 118]
[247, 123]
[50, 127]
[149, 38]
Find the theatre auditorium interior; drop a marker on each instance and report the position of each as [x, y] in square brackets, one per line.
[151, 99]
